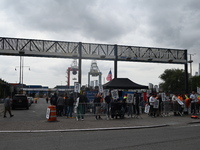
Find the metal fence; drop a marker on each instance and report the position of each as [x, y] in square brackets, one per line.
[166, 108]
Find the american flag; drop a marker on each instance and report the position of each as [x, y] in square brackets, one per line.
[109, 77]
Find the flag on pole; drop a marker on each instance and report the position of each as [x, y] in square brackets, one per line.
[109, 77]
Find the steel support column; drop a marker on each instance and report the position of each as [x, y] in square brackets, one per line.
[186, 78]
[186, 73]
[115, 61]
[80, 62]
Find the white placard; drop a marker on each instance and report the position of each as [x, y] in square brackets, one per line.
[105, 92]
[147, 108]
[180, 102]
[77, 87]
[48, 113]
[115, 94]
[163, 95]
[129, 98]
[156, 104]
[100, 89]
[198, 90]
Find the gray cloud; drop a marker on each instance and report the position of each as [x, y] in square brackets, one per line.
[156, 23]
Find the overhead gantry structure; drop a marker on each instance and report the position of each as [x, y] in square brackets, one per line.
[79, 50]
[73, 69]
[94, 71]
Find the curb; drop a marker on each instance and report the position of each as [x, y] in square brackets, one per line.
[78, 130]
[193, 122]
[1, 109]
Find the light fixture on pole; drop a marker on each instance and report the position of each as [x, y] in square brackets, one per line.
[191, 61]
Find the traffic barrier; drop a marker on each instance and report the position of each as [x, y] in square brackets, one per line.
[194, 117]
[51, 113]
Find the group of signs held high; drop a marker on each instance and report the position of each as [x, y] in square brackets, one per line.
[114, 93]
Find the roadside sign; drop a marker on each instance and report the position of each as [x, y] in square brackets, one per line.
[48, 113]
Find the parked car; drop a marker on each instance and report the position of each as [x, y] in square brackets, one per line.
[30, 100]
[20, 101]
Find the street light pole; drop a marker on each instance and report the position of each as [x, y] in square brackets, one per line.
[190, 61]
[21, 71]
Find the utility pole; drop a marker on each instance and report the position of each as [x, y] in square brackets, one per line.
[191, 61]
[21, 71]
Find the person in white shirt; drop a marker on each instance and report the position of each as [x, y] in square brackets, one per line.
[193, 99]
[175, 104]
[166, 104]
[151, 102]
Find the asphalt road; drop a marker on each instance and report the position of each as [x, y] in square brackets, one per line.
[173, 137]
[165, 138]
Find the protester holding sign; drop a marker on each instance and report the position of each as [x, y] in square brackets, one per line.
[175, 104]
[151, 102]
[130, 105]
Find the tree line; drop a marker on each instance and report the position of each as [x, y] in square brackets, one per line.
[173, 81]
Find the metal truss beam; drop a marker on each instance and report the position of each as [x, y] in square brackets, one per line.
[61, 49]
[78, 50]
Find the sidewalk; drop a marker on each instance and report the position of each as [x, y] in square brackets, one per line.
[65, 124]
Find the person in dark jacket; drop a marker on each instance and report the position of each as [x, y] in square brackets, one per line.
[136, 103]
[81, 103]
[83, 100]
[108, 102]
[97, 105]
[47, 99]
[123, 109]
[70, 103]
[60, 105]
[65, 109]
[53, 99]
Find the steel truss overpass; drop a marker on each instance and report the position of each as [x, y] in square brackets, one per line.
[79, 50]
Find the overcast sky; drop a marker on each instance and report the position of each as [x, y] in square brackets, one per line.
[149, 23]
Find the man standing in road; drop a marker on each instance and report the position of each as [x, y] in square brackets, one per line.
[7, 105]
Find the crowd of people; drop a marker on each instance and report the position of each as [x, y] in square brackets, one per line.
[66, 105]
[179, 104]
[101, 105]
[158, 104]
